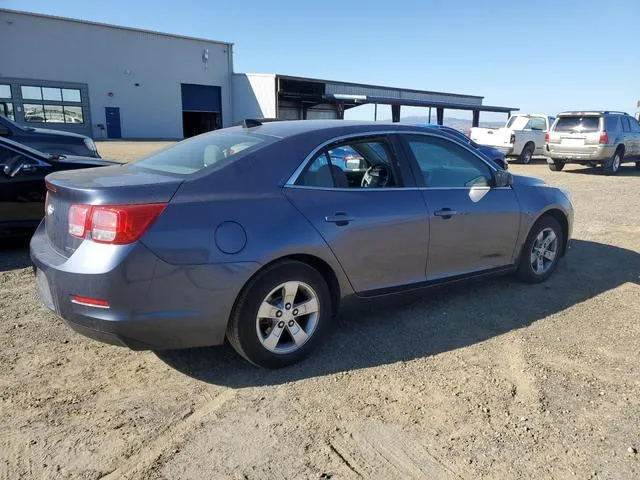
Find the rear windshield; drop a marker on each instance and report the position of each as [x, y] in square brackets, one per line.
[578, 124]
[214, 148]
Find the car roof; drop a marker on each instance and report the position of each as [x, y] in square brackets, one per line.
[289, 128]
[20, 146]
[591, 112]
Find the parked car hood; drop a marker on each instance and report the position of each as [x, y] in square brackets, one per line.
[527, 181]
[49, 131]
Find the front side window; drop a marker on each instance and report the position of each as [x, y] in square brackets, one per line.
[445, 164]
[635, 126]
[197, 153]
[354, 164]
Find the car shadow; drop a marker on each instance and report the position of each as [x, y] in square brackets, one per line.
[625, 171]
[14, 253]
[410, 326]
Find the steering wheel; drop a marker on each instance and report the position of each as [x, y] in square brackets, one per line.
[376, 176]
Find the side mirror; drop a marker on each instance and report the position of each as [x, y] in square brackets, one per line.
[4, 131]
[502, 178]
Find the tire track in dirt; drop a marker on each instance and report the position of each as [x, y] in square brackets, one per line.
[173, 435]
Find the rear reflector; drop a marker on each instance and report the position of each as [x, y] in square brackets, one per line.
[114, 224]
[90, 302]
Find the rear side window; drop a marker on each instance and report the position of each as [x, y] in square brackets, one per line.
[536, 123]
[578, 124]
[612, 124]
[626, 126]
[190, 156]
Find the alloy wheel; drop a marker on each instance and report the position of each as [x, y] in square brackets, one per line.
[544, 251]
[287, 317]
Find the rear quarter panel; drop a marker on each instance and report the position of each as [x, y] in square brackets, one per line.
[246, 199]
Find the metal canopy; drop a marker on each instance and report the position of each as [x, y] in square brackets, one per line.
[362, 99]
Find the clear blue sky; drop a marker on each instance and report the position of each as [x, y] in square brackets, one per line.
[542, 56]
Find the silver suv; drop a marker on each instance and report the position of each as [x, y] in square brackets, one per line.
[594, 138]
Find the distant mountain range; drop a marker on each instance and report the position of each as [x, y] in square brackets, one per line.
[458, 123]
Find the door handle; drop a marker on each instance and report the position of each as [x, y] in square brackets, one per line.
[339, 218]
[445, 213]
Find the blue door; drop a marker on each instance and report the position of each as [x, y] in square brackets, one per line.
[113, 122]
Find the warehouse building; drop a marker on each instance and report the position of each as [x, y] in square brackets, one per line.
[109, 81]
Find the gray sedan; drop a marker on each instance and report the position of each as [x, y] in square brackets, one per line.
[252, 234]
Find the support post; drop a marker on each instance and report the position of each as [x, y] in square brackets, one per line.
[395, 113]
[476, 118]
[375, 112]
[340, 110]
[440, 115]
[429, 115]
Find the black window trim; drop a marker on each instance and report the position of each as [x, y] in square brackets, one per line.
[394, 136]
[369, 137]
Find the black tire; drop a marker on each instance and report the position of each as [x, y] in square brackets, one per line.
[637, 165]
[242, 332]
[556, 166]
[526, 272]
[527, 154]
[612, 166]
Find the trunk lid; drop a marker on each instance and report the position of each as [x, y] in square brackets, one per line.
[113, 185]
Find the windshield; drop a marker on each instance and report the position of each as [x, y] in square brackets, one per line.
[517, 122]
[197, 153]
[14, 124]
[578, 124]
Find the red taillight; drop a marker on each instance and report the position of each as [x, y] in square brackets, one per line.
[604, 138]
[88, 301]
[115, 224]
[546, 137]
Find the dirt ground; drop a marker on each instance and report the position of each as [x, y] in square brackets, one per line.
[490, 380]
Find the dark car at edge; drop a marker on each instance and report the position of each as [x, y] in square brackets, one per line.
[22, 186]
[48, 140]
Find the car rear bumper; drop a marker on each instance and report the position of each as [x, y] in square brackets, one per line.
[595, 153]
[152, 304]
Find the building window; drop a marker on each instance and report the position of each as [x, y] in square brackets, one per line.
[51, 94]
[73, 115]
[36, 113]
[5, 91]
[31, 93]
[6, 110]
[70, 95]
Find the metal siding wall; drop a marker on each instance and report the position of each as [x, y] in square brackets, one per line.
[254, 96]
[114, 60]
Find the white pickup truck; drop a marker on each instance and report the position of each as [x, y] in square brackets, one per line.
[521, 137]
